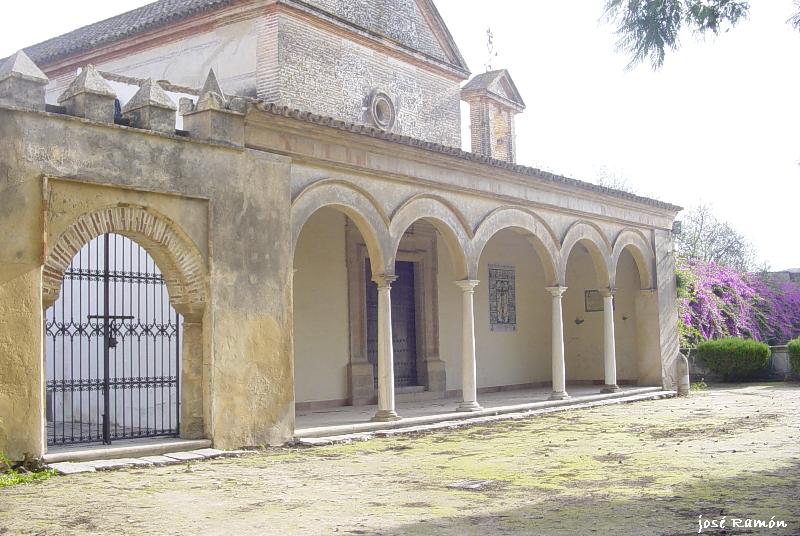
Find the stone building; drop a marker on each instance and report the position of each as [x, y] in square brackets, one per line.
[310, 237]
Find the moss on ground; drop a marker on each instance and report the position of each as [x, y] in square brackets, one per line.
[645, 468]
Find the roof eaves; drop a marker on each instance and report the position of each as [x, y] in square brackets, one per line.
[309, 117]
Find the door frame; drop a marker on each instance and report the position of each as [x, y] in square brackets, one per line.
[419, 247]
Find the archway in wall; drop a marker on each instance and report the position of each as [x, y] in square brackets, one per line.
[636, 319]
[583, 317]
[335, 313]
[626, 319]
[113, 348]
[431, 258]
[321, 311]
[512, 314]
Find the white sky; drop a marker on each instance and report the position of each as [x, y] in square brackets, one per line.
[719, 123]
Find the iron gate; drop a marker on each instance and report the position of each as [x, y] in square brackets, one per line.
[112, 347]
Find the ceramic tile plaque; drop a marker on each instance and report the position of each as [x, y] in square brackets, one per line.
[502, 298]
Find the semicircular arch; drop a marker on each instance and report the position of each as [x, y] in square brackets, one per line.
[635, 242]
[178, 258]
[536, 230]
[447, 220]
[356, 204]
[595, 241]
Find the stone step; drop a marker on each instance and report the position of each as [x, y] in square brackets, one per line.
[123, 449]
[361, 427]
[470, 419]
[173, 458]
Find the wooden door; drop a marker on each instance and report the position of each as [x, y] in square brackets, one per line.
[404, 329]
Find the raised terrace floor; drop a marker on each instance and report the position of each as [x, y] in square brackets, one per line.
[348, 419]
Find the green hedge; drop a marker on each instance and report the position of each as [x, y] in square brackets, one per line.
[794, 354]
[735, 359]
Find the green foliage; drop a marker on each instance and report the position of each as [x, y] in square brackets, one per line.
[646, 29]
[11, 477]
[794, 354]
[683, 279]
[699, 386]
[795, 19]
[734, 358]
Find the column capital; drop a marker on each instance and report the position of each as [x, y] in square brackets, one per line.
[608, 292]
[557, 292]
[467, 285]
[384, 280]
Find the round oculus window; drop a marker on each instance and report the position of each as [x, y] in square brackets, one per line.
[382, 110]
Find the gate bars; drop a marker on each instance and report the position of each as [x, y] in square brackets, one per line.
[113, 348]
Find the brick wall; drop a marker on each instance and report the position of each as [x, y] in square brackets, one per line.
[304, 67]
[492, 130]
[401, 20]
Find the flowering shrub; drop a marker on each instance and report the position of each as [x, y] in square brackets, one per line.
[794, 354]
[717, 301]
[734, 358]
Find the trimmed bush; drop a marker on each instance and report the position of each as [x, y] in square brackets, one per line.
[794, 354]
[733, 358]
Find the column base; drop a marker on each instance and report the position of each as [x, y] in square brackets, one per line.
[558, 395]
[610, 389]
[386, 415]
[469, 406]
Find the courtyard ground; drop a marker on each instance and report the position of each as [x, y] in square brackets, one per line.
[628, 469]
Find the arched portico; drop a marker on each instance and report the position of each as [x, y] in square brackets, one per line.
[372, 227]
[451, 228]
[183, 270]
[514, 251]
[586, 279]
[635, 321]
[356, 204]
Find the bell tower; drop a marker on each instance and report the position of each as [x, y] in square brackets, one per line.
[493, 102]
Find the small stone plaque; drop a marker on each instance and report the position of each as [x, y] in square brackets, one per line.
[594, 301]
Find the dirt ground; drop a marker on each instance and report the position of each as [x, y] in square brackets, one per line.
[630, 469]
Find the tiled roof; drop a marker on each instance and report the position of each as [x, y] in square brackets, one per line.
[163, 12]
[373, 132]
[133, 22]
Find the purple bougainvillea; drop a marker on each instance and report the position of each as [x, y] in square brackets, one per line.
[717, 301]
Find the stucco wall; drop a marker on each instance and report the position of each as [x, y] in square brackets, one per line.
[229, 49]
[625, 319]
[521, 356]
[246, 342]
[583, 332]
[321, 336]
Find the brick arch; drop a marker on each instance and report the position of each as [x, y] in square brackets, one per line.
[177, 257]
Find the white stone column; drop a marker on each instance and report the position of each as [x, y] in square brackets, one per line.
[609, 346]
[386, 411]
[557, 338]
[469, 385]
